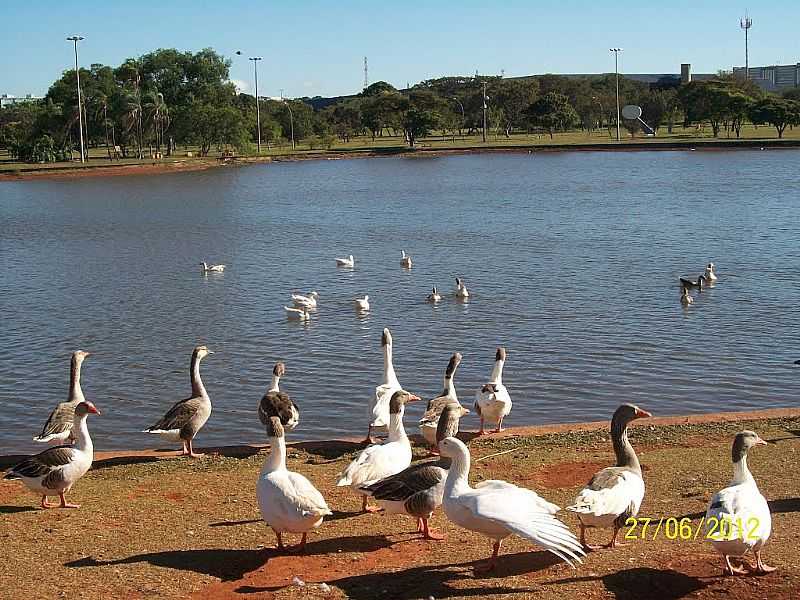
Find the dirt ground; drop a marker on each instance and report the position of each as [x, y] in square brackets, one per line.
[153, 526]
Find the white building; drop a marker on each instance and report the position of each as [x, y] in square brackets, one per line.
[8, 99]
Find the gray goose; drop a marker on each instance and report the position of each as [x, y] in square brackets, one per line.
[430, 419]
[689, 284]
[187, 417]
[417, 490]
[615, 493]
[54, 471]
[58, 427]
[276, 403]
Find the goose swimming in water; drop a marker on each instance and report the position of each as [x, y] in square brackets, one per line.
[276, 403]
[738, 516]
[305, 301]
[58, 427]
[212, 268]
[434, 296]
[461, 289]
[405, 261]
[362, 304]
[615, 493]
[498, 509]
[54, 471]
[288, 501]
[297, 314]
[187, 417]
[346, 262]
[493, 402]
[430, 419]
[689, 284]
[710, 276]
[686, 299]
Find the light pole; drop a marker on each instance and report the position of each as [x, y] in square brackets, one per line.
[484, 112]
[255, 60]
[76, 39]
[462, 112]
[616, 52]
[291, 120]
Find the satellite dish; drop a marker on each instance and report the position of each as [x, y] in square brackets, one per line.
[631, 112]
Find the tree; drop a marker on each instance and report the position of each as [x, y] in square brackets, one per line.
[778, 112]
[417, 123]
[513, 97]
[553, 112]
[378, 88]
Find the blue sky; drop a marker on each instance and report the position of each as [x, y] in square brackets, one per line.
[317, 48]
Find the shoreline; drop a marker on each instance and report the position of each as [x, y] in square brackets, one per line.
[111, 457]
[183, 165]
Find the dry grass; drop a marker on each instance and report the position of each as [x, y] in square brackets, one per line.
[178, 528]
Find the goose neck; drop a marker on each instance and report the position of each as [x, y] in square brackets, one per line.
[198, 389]
[741, 474]
[83, 440]
[457, 475]
[276, 461]
[75, 391]
[497, 372]
[626, 456]
[389, 376]
[397, 431]
[273, 387]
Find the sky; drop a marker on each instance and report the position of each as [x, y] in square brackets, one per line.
[316, 48]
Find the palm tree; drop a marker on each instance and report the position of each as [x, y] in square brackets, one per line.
[132, 116]
[100, 101]
[157, 115]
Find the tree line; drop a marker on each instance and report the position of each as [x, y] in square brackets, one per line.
[148, 105]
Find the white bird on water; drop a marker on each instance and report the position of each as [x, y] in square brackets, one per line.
[297, 314]
[309, 300]
[212, 268]
[346, 262]
[405, 261]
[362, 304]
[434, 296]
[461, 289]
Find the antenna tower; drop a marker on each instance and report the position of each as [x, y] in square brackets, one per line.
[746, 23]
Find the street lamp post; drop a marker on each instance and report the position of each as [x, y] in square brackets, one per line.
[484, 112]
[255, 60]
[291, 121]
[616, 52]
[461, 106]
[76, 39]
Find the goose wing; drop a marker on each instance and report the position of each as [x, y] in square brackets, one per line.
[434, 409]
[306, 497]
[612, 491]
[42, 464]
[179, 415]
[59, 421]
[418, 477]
[278, 404]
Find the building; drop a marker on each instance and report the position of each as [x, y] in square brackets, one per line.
[8, 99]
[774, 78]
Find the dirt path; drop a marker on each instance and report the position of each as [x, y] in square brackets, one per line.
[155, 528]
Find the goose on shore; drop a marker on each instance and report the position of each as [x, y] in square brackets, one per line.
[461, 289]
[430, 419]
[493, 402]
[276, 403]
[615, 493]
[405, 261]
[187, 417]
[288, 501]
[434, 296]
[305, 301]
[738, 517]
[686, 299]
[417, 490]
[379, 404]
[212, 268]
[498, 509]
[710, 276]
[381, 460]
[362, 304]
[58, 427]
[297, 314]
[346, 262]
[689, 284]
[54, 471]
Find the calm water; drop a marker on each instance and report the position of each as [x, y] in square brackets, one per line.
[572, 261]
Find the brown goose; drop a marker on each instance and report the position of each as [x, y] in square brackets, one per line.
[417, 491]
[615, 493]
[54, 471]
[58, 427]
[276, 403]
[689, 284]
[429, 420]
[187, 417]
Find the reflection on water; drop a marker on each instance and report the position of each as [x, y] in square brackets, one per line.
[572, 262]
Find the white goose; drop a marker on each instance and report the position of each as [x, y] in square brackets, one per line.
[709, 275]
[58, 427]
[212, 268]
[686, 299]
[307, 301]
[288, 501]
[56, 470]
[492, 401]
[276, 403]
[738, 516]
[405, 261]
[297, 314]
[430, 419]
[346, 262]
[379, 461]
[461, 289]
[362, 304]
[434, 296]
[379, 404]
[187, 417]
[615, 493]
[498, 509]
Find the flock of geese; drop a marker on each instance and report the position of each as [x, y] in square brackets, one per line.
[708, 278]
[384, 472]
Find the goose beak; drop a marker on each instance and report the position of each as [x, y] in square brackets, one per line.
[94, 410]
[642, 414]
[413, 398]
[760, 442]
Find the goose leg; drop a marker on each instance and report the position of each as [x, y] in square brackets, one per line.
[301, 547]
[762, 568]
[420, 527]
[192, 453]
[45, 503]
[490, 565]
[586, 546]
[369, 439]
[614, 543]
[428, 535]
[499, 426]
[481, 431]
[65, 504]
[369, 509]
[280, 540]
[730, 569]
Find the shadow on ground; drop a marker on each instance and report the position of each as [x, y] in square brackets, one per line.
[643, 583]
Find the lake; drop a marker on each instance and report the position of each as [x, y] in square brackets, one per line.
[572, 260]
